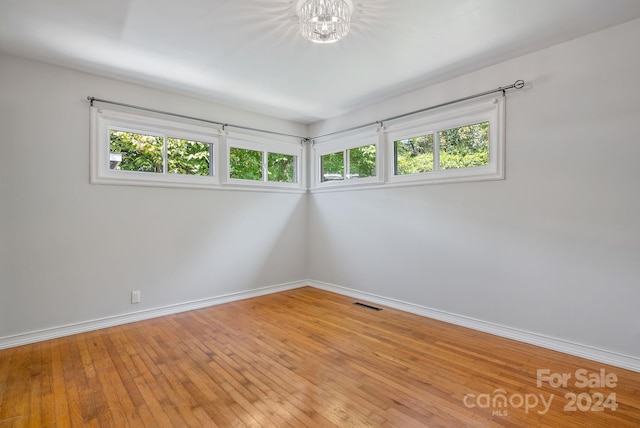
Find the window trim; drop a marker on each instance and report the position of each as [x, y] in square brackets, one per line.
[343, 144]
[308, 156]
[491, 111]
[266, 146]
[104, 120]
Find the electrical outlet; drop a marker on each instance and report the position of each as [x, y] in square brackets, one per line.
[135, 296]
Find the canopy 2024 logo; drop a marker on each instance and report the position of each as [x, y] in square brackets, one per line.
[582, 378]
[500, 401]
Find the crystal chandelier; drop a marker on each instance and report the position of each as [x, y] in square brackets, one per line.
[324, 21]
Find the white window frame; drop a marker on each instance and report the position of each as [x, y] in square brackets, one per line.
[103, 120]
[492, 111]
[266, 146]
[487, 110]
[343, 144]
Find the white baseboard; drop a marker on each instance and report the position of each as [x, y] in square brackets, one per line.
[81, 327]
[571, 348]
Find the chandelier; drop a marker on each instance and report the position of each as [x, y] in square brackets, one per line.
[324, 21]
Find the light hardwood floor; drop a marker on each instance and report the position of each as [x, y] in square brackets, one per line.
[299, 358]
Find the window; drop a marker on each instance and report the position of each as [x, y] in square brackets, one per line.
[189, 157]
[347, 162]
[130, 151]
[263, 162]
[332, 166]
[359, 162]
[460, 147]
[281, 168]
[463, 144]
[134, 149]
[139, 150]
[135, 152]
[247, 164]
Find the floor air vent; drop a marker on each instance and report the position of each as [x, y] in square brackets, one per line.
[367, 306]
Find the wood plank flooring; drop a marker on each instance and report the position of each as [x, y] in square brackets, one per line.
[302, 358]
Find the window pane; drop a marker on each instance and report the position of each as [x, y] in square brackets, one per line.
[135, 152]
[464, 147]
[245, 164]
[332, 166]
[362, 161]
[414, 155]
[281, 168]
[188, 157]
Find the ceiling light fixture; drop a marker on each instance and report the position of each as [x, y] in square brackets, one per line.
[324, 21]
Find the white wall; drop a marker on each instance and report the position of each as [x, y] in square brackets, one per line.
[555, 248]
[72, 252]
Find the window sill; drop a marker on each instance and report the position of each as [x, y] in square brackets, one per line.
[409, 183]
[193, 184]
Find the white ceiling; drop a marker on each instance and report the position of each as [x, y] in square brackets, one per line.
[249, 53]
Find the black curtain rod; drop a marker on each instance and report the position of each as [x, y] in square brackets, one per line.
[518, 84]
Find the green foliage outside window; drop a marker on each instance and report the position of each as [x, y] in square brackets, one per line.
[332, 166]
[245, 164]
[188, 157]
[281, 168]
[139, 152]
[463, 147]
[362, 161]
[143, 153]
[414, 155]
